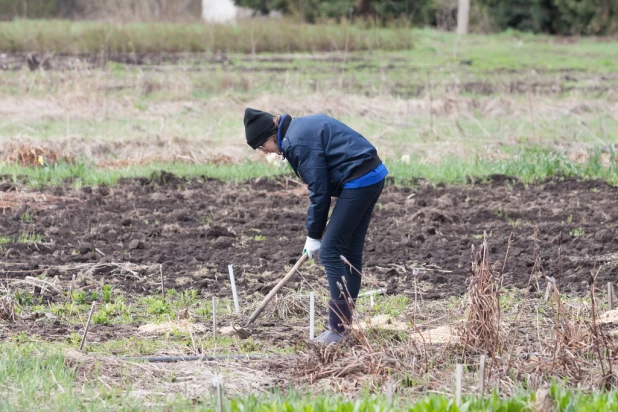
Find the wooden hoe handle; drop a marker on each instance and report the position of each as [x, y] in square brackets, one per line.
[276, 289]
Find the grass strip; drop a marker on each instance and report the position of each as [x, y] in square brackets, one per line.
[561, 399]
[41, 377]
[36, 377]
[528, 165]
[87, 174]
[448, 53]
[255, 36]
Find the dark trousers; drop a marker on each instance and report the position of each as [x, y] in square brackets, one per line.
[345, 235]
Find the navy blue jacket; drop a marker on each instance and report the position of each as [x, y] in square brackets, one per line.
[325, 154]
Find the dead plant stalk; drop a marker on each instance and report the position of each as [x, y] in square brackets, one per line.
[410, 319]
[482, 325]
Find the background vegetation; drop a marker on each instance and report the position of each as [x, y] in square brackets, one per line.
[564, 17]
[439, 107]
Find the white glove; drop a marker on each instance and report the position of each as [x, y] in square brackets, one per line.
[311, 246]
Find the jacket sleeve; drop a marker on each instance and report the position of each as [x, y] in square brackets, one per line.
[314, 172]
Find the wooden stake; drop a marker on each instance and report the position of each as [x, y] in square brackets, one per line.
[311, 314]
[214, 317]
[610, 295]
[217, 386]
[371, 301]
[547, 291]
[81, 347]
[71, 286]
[234, 294]
[389, 392]
[458, 379]
[162, 287]
[482, 375]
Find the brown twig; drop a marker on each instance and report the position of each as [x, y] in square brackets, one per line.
[412, 321]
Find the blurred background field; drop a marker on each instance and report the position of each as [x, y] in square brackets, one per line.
[123, 95]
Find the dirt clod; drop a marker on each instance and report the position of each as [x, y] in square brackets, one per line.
[6, 186]
[136, 244]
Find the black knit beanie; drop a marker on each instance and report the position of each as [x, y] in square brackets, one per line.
[259, 126]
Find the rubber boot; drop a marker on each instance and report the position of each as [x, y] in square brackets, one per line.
[339, 315]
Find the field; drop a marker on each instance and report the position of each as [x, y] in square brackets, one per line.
[125, 181]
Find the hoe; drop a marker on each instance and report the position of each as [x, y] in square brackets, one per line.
[244, 332]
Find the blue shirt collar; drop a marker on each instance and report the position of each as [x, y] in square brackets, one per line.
[279, 141]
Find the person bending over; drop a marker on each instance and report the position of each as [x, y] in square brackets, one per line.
[333, 161]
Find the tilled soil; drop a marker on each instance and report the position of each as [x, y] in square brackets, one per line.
[546, 81]
[192, 230]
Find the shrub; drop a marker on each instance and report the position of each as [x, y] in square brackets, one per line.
[564, 17]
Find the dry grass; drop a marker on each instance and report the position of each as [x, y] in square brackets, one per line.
[481, 331]
[182, 325]
[534, 342]
[190, 158]
[7, 309]
[140, 10]
[319, 362]
[522, 353]
[253, 36]
[67, 107]
[285, 306]
[88, 276]
[29, 154]
[150, 381]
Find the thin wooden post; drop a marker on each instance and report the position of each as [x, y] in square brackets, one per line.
[389, 392]
[482, 375]
[214, 317]
[610, 295]
[547, 291]
[311, 315]
[81, 347]
[71, 286]
[162, 285]
[217, 386]
[234, 294]
[458, 381]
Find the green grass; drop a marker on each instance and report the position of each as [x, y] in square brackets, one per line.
[145, 310]
[35, 377]
[86, 174]
[383, 94]
[26, 237]
[130, 311]
[117, 309]
[528, 165]
[47, 376]
[23, 237]
[40, 377]
[402, 61]
[563, 399]
[431, 48]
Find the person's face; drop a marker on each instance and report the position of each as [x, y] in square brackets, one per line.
[269, 146]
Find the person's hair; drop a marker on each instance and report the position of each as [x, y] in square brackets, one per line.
[276, 121]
